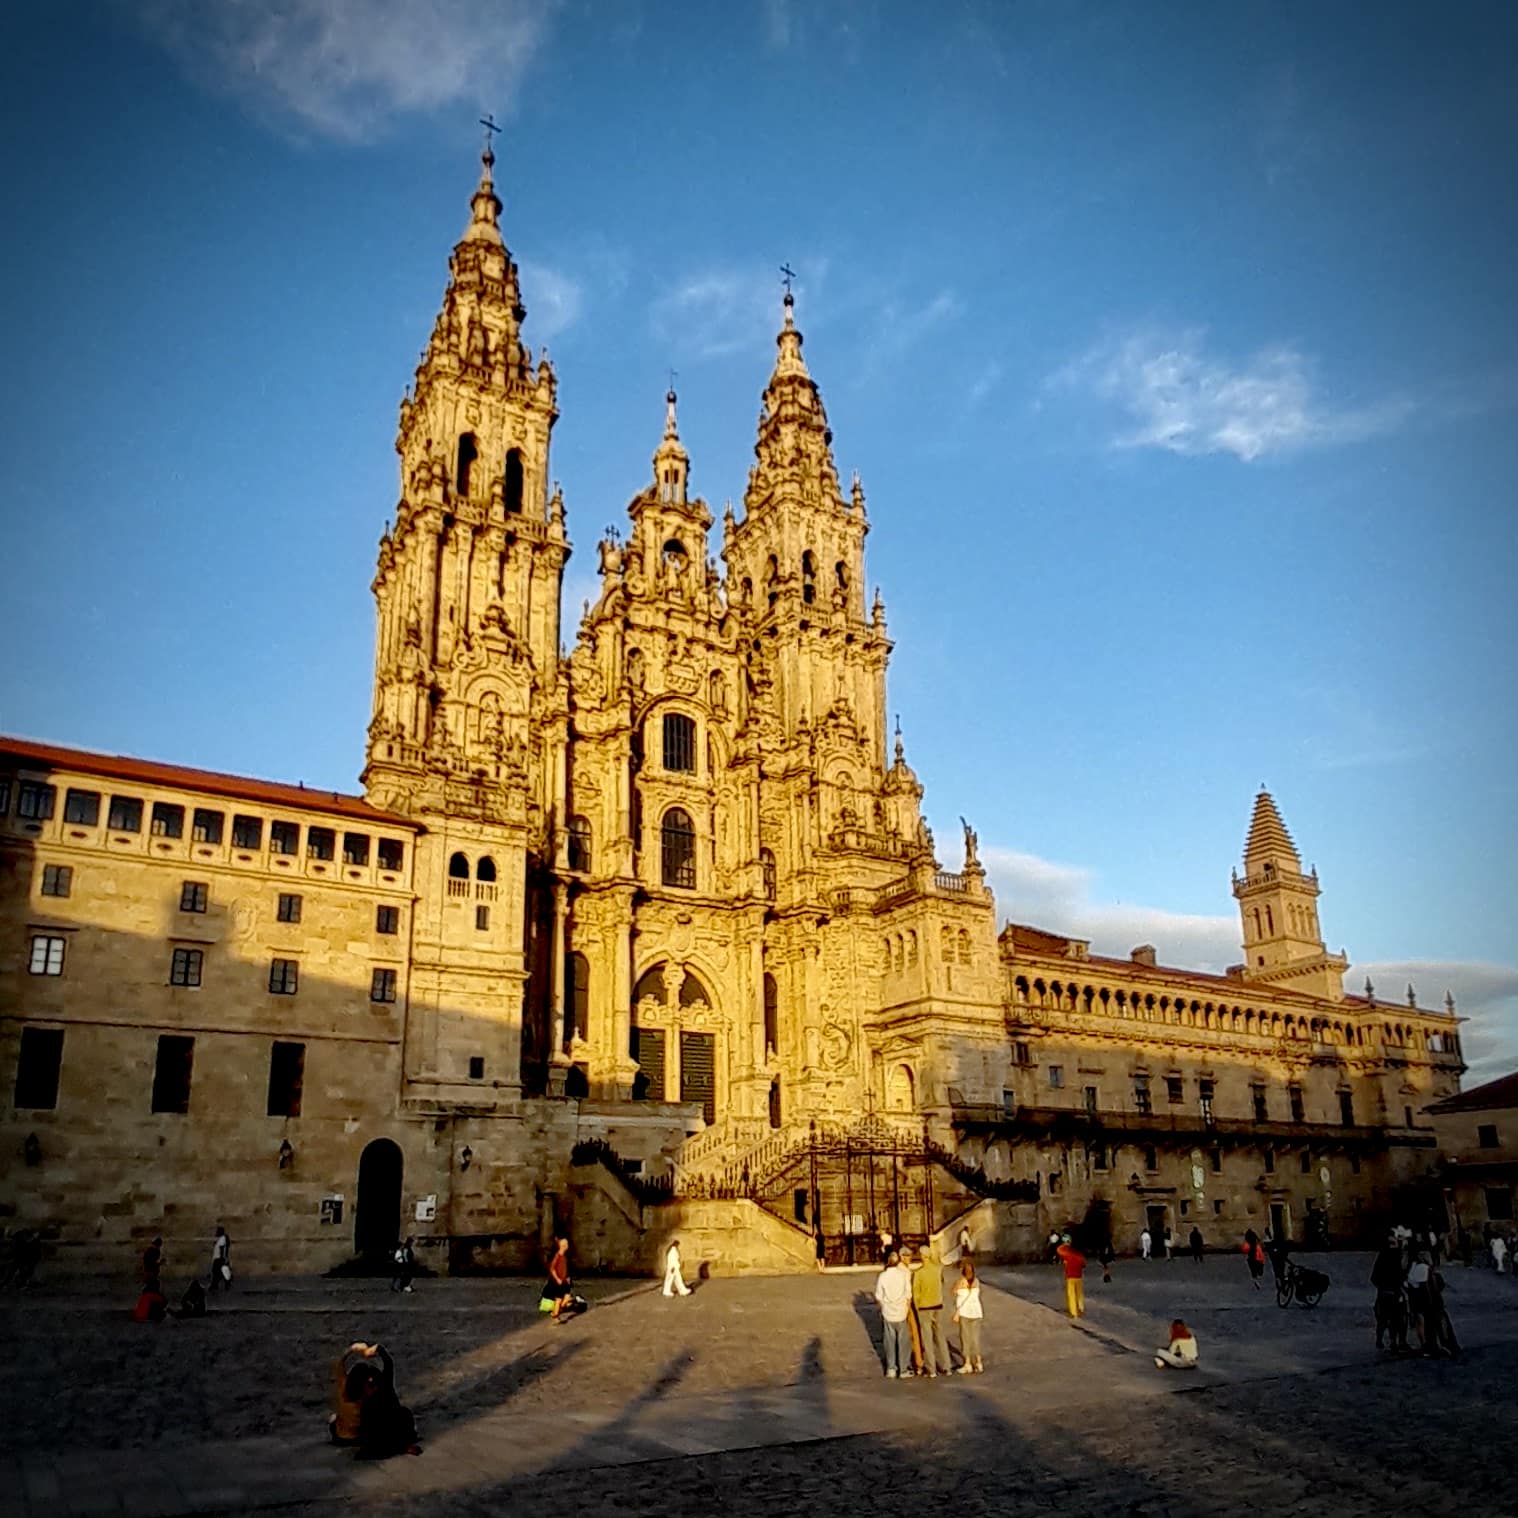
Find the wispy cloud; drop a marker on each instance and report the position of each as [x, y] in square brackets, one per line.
[779, 24]
[1485, 994]
[900, 325]
[726, 310]
[556, 300]
[985, 382]
[1178, 396]
[346, 68]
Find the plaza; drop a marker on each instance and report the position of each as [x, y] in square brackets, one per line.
[760, 1389]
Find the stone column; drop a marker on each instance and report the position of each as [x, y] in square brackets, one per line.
[558, 1057]
[621, 1003]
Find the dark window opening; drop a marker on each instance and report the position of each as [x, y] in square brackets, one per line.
[247, 832]
[1205, 1092]
[677, 836]
[1306, 1163]
[464, 474]
[355, 848]
[485, 869]
[476, 1067]
[186, 966]
[1175, 1090]
[206, 826]
[1347, 1108]
[289, 908]
[390, 853]
[35, 802]
[1141, 1098]
[648, 1051]
[679, 742]
[481, 918]
[125, 815]
[284, 837]
[1090, 1096]
[57, 879]
[767, 873]
[1298, 1107]
[1486, 1136]
[808, 578]
[284, 977]
[1151, 1158]
[321, 843]
[172, 1072]
[387, 919]
[1269, 1157]
[382, 985]
[1261, 1111]
[1216, 1158]
[579, 843]
[287, 1078]
[82, 807]
[513, 480]
[168, 820]
[771, 1015]
[1056, 1077]
[1499, 1204]
[458, 867]
[38, 1066]
[577, 995]
[194, 896]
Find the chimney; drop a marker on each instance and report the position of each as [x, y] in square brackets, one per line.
[1143, 955]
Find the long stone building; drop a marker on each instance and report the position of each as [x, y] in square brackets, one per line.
[648, 933]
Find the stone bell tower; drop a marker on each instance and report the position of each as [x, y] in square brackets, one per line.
[469, 723]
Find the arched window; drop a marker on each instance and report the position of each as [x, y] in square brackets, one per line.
[692, 992]
[808, 577]
[775, 1102]
[579, 843]
[841, 575]
[464, 474]
[458, 868]
[911, 946]
[772, 579]
[771, 1016]
[577, 997]
[485, 869]
[1270, 923]
[677, 837]
[901, 1089]
[767, 873]
[679, 742]
[513, 480]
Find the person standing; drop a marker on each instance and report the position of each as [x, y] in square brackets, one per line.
[927, 1302]
[221, 1259]
[966, 1243]
[674, 1281]
[405, 1265]
[1074, 1263]
[1146, 1244]
[1106, 1256]
[152, 1267]
[1167, 1245]
[558, 1290]
[893, 1291]
[1196, 1243]
[1181, 1353]
[1254, 1253]
[1391, 1313]
[887, 1246]
[1499, 1253]
[968, 1313]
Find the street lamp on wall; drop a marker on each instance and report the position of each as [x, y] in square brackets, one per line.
[466, 1157]
[286, 1154]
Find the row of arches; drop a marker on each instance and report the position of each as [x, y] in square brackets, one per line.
[901, 948]
[458, 867]
[466, 472]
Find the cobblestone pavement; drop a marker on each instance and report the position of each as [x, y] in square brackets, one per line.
[681, 1406]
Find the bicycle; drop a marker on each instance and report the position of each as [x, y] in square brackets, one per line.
[1298, 1281]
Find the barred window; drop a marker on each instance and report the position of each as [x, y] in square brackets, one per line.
[35, 801]
[57, 879]
[47, 954]
[678, 841]
[247, 832]
[387, 919]
[194, 896]
[289, 907]
[284, 977]
[382, 986]
[168, 820]
[185, 969]
[125, 815]
[82, 807]
[206, 826]
[679, 742]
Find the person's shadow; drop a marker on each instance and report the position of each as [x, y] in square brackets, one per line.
[868, 1313]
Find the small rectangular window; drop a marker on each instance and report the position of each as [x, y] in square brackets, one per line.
[476, 1067]
[321, 843]
[168, 820]
[1099, 1157]
[1217, 1161]
[1347, 1108]
[82, 807]
[355, 848]
[247, 832]
[289, 907]
[1056, 1077]
[1270, 1161]
[387, 919]
[125, 814]
[1185, 1208]
[1056, 1183]
[57, 879]
[1141, 1099]
[1204, 1094]
[206, 826]
[1021, 1054]
[284, 977]
[382, 986]
[1486, 1136]
[679, 742]
[35, 801]
[1091, 1101]
[1175, 1089]
[1217, 1208]
[1499, 1204]
[1261, 1111]
[47, 954]
[1306, 1163]
[1151, 1157]
[194, 896]
[172, 1072]
[185, 968]
[482, 918]
[284, 837]
[391, 852]
[287, 1078]
[37, 1068]
[1298, 1107]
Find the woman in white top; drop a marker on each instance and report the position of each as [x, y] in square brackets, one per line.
[1182, 1351]
[968, 1314]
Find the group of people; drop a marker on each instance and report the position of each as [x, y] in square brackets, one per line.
[1194, 1241]
[1410, 1297]
[153, 1303]
[910, 1294]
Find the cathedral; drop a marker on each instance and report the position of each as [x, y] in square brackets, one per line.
[640, 934]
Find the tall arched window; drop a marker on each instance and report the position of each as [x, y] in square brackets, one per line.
[771, 1015]
[485, 869]
[458, 867]
[775, 1102]
[679, 742]
[579, 843]
[808, 577]
[767, 871]
[964, 947]
[577, 997]
[464, 474]
[677, 836]
[513, 480]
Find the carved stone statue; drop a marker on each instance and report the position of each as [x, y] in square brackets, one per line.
[972, 840]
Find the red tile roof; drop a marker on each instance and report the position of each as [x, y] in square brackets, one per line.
[49, 756]
[1502, 1092]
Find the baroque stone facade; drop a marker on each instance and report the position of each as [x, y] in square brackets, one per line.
[671, 890]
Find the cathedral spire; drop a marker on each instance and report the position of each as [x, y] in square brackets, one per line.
[789, 362]
[671, 462]
[485, 204]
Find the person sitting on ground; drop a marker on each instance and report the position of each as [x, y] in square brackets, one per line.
[385, 1426]
[1182, 1351]
[352, 1373]
[193, 1303]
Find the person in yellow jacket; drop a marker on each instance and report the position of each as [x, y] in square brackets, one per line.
[927, 1300]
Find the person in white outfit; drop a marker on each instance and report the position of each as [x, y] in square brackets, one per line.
[1499, 1253]
[674, 1282]
[1146, 1243]
[1181, 1353]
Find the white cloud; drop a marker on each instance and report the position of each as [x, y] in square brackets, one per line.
[985, 382]
[898, 328]
[728, 310]
[1179, 397]
[778, 24]
[344, 68]
[1486, 994]
[555, 301]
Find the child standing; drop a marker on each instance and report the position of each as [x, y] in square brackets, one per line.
[1075, 1276]
[968, 1314]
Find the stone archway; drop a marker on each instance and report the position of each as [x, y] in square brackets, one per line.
[377, 1211]
[901, 1089]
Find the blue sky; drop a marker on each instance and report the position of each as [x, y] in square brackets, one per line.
[1177, 347]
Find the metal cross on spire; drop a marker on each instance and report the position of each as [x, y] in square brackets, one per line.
[488, 122]
[787, 274]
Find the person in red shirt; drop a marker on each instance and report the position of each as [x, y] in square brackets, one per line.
[1075, 1276]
